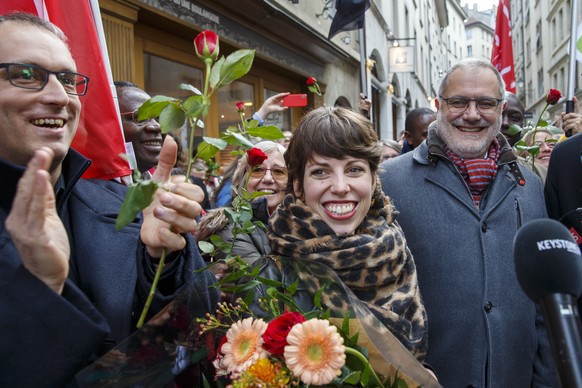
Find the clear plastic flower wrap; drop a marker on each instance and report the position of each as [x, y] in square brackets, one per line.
[181, 347]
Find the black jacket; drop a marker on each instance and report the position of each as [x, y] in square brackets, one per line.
[47, 338]
[563, 188]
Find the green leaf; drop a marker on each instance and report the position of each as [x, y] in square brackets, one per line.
[292, 288]
[194, 106]
[215, 73]
[513, 129]
[252, 123]
[218, 143]
[206, 247]
[138, 197]
[352, 378]
[366, 375]
[267, 132]
[210, 147]
[242, 140]
[172, 117]
[154, 106]
[235, 66]
[190, 88]
[199, 355]
[317, 298]
[217, 240]
[346, 325]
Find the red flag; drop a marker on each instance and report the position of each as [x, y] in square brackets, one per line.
[502, 55]
[99, 136]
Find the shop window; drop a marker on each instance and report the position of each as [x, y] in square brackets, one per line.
[163, 77]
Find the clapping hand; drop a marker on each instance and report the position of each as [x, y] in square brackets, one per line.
[35, 226]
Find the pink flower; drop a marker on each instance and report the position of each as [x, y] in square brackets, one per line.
[206, 45]
[316, 352]
[244, 344]
[256, 157]
[276, 335]
[311, 81]
[553, 97]
[240, 107]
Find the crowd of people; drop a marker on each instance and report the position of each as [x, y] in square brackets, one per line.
[420, 231]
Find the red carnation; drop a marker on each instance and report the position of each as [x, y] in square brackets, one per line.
[256, 157]
[276, 335]
[553, 96]
[206, 45]
[311, 81]
[240, 107]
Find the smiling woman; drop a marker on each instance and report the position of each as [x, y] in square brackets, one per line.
[269, 178]
[336, 214]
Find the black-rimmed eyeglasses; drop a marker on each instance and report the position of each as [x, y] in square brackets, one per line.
[485, 105]
[34, 77]
[133, 115]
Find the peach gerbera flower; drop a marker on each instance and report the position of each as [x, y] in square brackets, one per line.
[316, 352]
[244, 344]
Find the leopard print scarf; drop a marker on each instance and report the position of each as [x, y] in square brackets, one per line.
[374, 262]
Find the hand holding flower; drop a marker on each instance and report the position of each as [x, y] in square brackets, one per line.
[172, 212]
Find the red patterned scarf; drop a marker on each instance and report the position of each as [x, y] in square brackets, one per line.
[477, 173]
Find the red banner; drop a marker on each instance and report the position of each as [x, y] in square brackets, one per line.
[502, 55]
[99, 136]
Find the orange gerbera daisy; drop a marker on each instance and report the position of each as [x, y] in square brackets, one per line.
[316, 352]
[244, 344]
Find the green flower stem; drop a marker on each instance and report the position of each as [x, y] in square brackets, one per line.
[193, 122]
[152, 289]
[535, 131]
[373, 376]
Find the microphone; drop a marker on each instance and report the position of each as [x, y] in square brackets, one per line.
[549, 269]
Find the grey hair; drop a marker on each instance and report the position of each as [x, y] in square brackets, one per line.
[473, 64]
[239, 176]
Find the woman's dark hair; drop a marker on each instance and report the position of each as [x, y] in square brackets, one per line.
[332, 132]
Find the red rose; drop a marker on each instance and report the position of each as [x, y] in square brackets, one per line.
[276, 335]
[206, 45]
[553, 96]
[240, 106]
[311, 81]
[256, 157]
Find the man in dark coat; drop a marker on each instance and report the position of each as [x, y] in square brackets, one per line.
[71, 287]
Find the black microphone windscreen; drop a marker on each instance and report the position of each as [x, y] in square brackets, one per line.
[547, 260]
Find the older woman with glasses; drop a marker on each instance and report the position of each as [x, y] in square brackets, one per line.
[270, 179]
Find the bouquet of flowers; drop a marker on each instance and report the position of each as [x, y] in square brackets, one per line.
[274, 334]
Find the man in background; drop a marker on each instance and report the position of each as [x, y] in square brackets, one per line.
[145, 135]
[416, 127]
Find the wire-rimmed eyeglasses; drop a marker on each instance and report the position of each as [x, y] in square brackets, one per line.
[485, 105]
[278, 173]
[27, 76]
[134, 117]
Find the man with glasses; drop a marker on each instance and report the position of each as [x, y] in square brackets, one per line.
[71, 287]
[462, 197]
